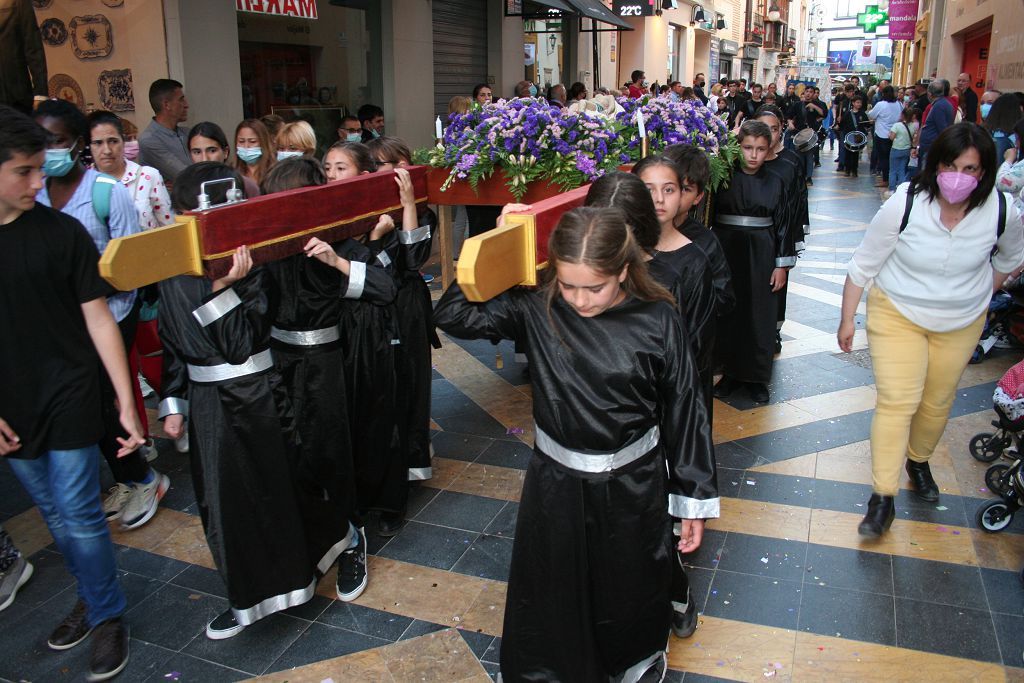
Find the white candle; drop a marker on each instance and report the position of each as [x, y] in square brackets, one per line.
[438, 133]
[640, 123]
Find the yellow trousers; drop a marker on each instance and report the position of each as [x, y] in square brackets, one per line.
[916, 374]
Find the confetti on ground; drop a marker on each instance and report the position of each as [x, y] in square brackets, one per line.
[173, 676]
[764, 560]
[941, 507]
[941, 529]
[750, 482]
[514, 430]
[956, 533]
[769, 674]
[327, 680]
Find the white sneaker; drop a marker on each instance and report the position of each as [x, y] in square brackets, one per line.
[117, 498]
[147, 390]
[148, 451]
[144, 500]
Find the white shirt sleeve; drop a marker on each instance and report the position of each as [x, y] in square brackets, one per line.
[1010, 247]
[880, 239]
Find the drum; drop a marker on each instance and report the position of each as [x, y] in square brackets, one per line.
[855, 141]
[805, 140]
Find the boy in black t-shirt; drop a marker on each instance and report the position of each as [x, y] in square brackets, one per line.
[57, 331]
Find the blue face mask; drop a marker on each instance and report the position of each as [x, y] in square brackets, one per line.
[354, 137]
[59, 162]
[533, 91]
[985, 109]
[282, 155]
[249, 154]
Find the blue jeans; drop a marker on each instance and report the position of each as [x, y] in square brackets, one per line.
[65, 485]
[809, 159]
[898, 171]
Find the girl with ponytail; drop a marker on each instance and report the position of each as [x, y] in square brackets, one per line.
[622, 445]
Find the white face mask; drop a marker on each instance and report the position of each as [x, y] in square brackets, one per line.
[282, 155]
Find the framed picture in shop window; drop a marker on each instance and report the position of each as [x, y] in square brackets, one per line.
[324, 120]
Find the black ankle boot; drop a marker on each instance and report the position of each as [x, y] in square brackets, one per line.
[881, 512]
[921, 479]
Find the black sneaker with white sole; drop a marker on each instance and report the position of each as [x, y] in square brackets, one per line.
[72, 631]
[684, 618]
[223, 627]
[352, 574]
[110, 650]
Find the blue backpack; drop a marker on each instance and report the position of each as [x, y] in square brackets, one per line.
[102, 188]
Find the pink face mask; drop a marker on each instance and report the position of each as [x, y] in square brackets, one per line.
[131, 150]
[956, 187]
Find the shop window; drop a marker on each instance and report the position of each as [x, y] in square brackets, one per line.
[313, 70]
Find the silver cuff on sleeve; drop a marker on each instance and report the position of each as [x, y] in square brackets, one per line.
[217, 307]
[172, 406]
[356, 279]
[691, 508]
[384, 259]
[785, 262]
[413, 236]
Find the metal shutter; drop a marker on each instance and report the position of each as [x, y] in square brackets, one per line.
[460, 49]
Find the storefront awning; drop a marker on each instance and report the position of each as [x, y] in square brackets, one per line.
[596, 10]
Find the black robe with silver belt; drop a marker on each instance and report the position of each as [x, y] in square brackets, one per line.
[218, 371]
[308, 354]
[369, 339]
[623, 444]
[752, 221]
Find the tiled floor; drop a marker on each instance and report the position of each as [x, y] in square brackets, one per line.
[787, 588]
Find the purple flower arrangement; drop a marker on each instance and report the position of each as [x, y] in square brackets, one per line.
[671, 122]
[529, 140]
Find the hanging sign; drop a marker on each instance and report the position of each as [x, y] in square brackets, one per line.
[633, 8]
[871, 18]
[902, 19]
[301, 9]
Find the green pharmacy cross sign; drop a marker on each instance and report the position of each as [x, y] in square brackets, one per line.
[871, 18]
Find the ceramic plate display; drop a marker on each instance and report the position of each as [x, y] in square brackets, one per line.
[116, 91]
[64, 87]
[113, 3]
[92, 36]
[41, 4]
[54, 32]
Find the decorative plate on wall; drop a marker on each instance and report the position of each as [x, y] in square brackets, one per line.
[41, 4]
[54, 32]
[92, 36]
[63, 87]
[116, 92]
[113, 3]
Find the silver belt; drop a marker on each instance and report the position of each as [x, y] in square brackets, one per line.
[596, 462]
[218, 373]
[306, 337]
[744, 221]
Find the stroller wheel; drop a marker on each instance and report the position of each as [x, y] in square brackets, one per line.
[993, 516]
[985, 447]
[996, 479]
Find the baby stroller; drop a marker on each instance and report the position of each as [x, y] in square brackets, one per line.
[1002, 326]
[1006, 481]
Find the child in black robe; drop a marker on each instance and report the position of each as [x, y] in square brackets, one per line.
[622, 445]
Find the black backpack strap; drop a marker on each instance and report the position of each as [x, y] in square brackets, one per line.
[1001, 225]
[910, 205]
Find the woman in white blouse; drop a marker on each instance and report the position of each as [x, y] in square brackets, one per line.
[930, 288]
[145, 184]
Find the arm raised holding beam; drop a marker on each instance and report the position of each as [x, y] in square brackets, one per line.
[274, 227]
[512, 254]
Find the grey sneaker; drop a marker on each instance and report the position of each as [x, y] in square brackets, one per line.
[16, 576]
[144, 500]
[117, 498]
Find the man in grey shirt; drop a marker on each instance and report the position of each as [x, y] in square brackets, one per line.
[164, 144]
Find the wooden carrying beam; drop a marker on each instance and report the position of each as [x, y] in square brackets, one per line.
[511, 255]
[275, 226]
